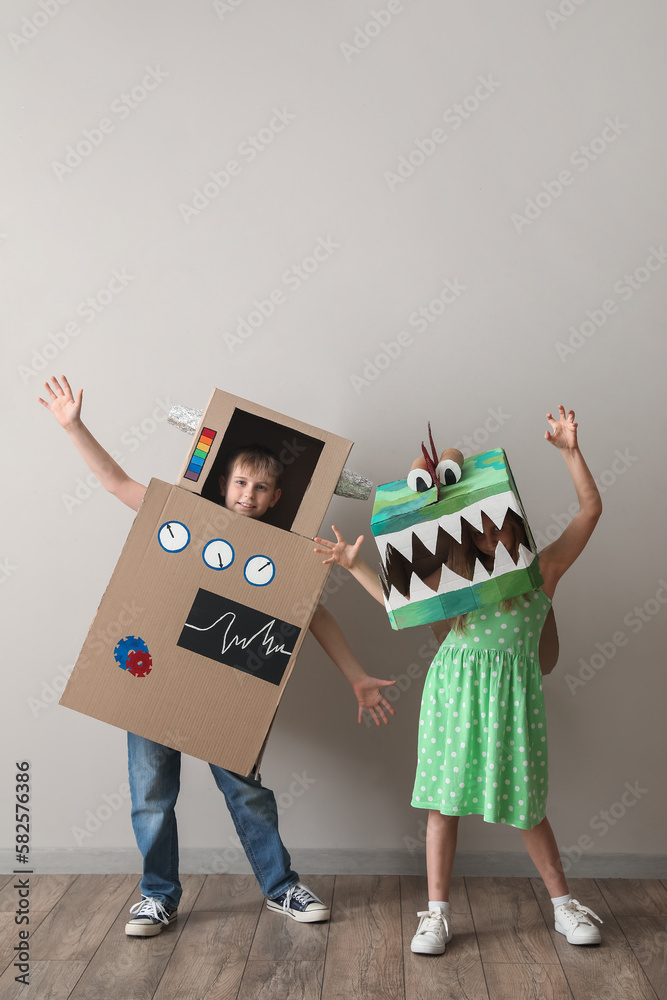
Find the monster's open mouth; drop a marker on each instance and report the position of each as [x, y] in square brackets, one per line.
[436, 556]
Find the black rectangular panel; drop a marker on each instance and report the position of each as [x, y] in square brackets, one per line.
[239, 636]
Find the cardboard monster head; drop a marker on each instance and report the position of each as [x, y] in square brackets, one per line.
[433, 562]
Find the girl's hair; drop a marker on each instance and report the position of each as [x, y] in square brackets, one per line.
[459, 624]
[261, 460]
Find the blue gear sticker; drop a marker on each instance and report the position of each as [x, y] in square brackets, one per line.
[125, 646]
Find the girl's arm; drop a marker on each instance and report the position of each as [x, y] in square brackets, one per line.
[348, 557]
[67, 411]
[368, 690]
[556, 558]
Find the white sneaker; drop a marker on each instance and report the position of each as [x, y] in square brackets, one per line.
[432, 934]
[572, 920]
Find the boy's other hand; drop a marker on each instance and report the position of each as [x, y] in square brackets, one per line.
[340, 551]
[65, 408]
[369, 695]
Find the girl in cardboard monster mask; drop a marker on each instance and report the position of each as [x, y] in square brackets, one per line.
[482, 734]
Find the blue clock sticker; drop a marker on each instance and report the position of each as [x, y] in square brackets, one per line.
[218, 554]
[259, 570]
[173, 536]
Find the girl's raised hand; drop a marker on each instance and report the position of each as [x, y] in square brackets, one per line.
[65, 408]
[563, 431]
[340, 551]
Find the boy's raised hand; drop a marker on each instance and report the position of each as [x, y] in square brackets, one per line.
[340, 551]
[369, 695]
[563, 431]
[65, 408]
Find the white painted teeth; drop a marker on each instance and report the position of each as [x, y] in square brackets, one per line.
[449, 581]
[480, 575]
[395, 600]
[473, 515]
[503, 562]
[428, 534]
[495, 507]
[452, 525]
[418, 589]
[513, 503]
[427, 531]
[525, 557]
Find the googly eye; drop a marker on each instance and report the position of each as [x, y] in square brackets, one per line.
[419, 480]
[448, 472]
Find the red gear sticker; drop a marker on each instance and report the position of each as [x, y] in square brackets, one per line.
[139, 662]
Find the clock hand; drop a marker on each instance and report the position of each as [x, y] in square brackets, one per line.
[263, 567]
[220, 561]
[169, 530]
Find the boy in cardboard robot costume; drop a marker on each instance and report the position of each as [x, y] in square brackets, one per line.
[223, 596]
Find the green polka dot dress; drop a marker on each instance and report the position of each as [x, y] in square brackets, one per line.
[482, 726]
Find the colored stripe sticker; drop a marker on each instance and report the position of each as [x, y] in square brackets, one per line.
[200, 454]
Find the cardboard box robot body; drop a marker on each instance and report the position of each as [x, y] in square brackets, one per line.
[197, 633]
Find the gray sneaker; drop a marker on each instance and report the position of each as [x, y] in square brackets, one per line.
[150, 916]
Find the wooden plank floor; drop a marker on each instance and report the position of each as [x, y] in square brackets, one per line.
[226, 945]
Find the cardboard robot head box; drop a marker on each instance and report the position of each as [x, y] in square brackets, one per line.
[431, 568]
[197, 633]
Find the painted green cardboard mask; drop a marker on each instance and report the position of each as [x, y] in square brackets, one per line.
[432, 567]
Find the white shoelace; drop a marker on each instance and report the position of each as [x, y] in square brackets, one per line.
[301, 894]
[149, 907]
[575, 909]
[432, 922]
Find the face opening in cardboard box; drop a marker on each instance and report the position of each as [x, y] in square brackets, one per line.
[297, 453]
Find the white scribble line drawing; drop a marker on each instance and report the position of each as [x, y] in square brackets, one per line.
[236, 640]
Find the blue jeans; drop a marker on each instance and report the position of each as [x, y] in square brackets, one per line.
[155, 778]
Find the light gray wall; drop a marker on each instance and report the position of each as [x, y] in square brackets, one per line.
[354, 96]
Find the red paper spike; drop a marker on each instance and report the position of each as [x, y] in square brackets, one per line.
[431, 461]
[434, 454]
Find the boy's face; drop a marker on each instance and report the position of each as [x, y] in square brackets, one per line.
[248, 493]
